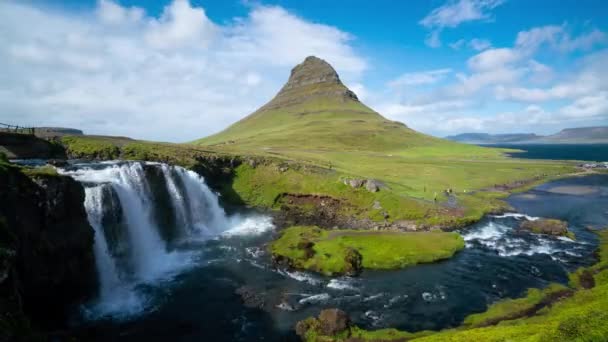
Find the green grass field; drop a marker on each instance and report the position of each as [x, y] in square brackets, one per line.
[378, 250]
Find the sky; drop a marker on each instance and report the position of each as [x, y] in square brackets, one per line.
[179, 70]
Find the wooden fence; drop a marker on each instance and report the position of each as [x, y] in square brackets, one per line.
[17, 129]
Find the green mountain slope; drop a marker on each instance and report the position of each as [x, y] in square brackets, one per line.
[316, 120]
[314, 110]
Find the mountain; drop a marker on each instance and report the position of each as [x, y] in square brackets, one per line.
[485, 138]
[581, 135]
[315, 110]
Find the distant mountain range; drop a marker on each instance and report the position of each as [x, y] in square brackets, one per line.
[581, 135]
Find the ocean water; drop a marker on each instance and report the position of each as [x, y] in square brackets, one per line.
[591, 152]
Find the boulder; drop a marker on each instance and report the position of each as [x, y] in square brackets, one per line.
[330, 322]
[353, 261]
[354, 183]
[251, 297]
[333, 321]
[547, 226]
[372, 185]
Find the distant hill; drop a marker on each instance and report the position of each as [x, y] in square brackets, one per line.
[581, 135]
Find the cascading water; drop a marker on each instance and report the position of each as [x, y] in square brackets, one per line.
[196, 214]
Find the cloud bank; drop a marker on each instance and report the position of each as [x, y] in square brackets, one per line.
[177, 77]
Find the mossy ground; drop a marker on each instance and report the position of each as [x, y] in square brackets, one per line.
[379, 250]
[579, 316]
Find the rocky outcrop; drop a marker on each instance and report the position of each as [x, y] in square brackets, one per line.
[370, 185]
[49, 244]
[314, 78]
[330, 322]
[547, 226]
[23, 146]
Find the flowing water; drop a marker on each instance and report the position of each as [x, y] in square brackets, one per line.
[170, 260]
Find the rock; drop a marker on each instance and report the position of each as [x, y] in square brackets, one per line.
[546, 226]
[54, 265]
[354, 183]
[57, 162]
[377, 205]
[25, 146]
[353, 260]
[307, 247]
[253, 163]
[283, 168]
[372, 185]
[333, 321]
[251, 297]
[330, 322]
[586, 279]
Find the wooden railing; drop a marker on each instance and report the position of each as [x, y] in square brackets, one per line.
[17, 129]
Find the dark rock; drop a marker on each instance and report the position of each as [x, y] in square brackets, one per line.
[57, 162]
[251, 297]
[307, 247]
[586, 279]
[54, 266]
[354, 262]
[333, 321]
[24, 146]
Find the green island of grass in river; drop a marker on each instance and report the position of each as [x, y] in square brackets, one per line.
[347, 251]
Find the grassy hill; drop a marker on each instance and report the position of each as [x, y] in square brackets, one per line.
[317, 120]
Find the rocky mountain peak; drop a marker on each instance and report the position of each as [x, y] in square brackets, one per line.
[311, 79]
[313, 70]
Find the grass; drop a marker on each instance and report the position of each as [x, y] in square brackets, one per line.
[579, 316]
[378, 250]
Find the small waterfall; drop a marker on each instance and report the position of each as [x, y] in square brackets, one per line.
[149, 258]
[108, 274]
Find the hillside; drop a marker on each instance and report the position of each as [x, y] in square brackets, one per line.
[316, 120]
[581, 135]
[315, 111]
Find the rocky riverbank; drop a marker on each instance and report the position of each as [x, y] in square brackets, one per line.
[46, 250]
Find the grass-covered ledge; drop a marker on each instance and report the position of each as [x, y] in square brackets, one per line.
[333, 252]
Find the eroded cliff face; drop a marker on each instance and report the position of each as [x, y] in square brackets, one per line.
[46, 250]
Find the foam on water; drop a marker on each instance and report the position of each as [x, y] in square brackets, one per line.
[342, 284]
[507, 241]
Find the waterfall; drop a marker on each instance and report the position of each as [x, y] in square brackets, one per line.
[108, 274]
[197, 215]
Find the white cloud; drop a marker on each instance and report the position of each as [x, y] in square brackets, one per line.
[180, 24]
[457, 45]
[480, 44]
[453, 13]
[588, 106]
[111, 13]
[420, 78]
[558, 38]
[116, 70]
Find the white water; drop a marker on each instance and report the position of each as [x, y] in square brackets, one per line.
[198, 215]
[508, 242]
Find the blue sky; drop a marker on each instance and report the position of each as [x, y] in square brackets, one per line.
[178, 70]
